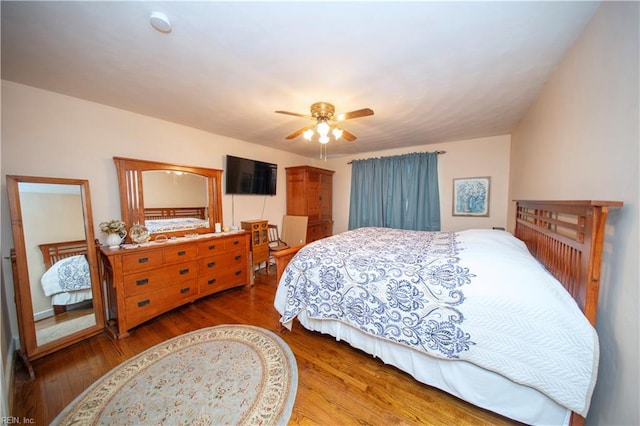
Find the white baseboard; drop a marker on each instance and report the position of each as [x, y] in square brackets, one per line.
[43, 314]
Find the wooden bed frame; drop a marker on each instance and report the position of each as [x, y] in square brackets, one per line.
[567, 237]
[53, 252]
[175, 212]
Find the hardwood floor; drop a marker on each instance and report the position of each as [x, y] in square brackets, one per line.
[337, 384]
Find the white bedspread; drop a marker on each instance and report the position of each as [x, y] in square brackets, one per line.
[67, 275]
[476, 295]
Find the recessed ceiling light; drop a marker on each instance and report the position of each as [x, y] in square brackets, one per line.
[160, 22]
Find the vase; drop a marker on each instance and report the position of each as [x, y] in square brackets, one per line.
[113, 241]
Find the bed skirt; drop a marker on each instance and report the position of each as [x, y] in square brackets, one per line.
[478, 386]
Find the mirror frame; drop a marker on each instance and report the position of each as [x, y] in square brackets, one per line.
[26, 322]
[132, 194]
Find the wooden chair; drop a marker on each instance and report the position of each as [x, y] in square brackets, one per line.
[275, 243]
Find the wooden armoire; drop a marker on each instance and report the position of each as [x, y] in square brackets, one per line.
[310, 193]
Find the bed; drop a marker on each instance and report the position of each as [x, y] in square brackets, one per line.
[502, 321]
[165, 219]
[67, 279]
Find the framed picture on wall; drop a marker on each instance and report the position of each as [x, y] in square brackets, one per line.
[471, 196]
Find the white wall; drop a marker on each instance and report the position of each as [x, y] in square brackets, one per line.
[580, 141]
[469, 158]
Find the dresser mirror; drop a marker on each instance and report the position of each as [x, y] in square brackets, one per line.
[55, 269]
[169, 199]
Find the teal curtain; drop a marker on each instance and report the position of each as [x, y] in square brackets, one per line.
[396, 192]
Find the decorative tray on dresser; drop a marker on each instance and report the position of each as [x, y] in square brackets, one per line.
[146, 280]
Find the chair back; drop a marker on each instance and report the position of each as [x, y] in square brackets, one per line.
[274, 236]
[294, 230]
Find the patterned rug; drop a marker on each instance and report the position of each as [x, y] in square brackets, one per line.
[223, 375]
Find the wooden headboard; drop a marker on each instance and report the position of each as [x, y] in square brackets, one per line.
[53, 252]
[567, 237]
[175, 212]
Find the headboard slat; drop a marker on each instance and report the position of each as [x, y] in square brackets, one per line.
[567, 237]
[175, 212]
[53, 252]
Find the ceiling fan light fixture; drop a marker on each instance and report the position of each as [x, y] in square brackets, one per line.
[323, 114]
[323, 128]
[308, 134]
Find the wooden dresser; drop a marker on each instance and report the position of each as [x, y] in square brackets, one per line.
[145, 281]
[310, 193]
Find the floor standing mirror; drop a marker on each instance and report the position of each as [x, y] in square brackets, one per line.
[59, 298]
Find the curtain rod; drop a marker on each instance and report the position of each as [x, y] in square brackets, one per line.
[437, 152]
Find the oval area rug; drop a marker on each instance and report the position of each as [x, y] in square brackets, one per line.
[222, 375]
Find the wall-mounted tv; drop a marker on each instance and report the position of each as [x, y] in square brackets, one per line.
[252, 177]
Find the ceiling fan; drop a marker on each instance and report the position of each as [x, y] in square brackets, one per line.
[323, 113]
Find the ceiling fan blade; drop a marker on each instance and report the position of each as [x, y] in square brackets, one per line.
[296, 114]
[300, 131]
[348, 136]
[365, 112]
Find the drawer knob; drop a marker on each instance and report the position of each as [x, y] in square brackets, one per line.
[142, 281]
[184, 290]
[212, 247]
[211, 264]
[211, 281]
[144, 302]
[184, 271]
[143, 260]
[236, 242]
[238, 272]
[238, 257]
[182, 253]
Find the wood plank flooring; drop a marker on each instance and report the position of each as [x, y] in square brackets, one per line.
[337, 384]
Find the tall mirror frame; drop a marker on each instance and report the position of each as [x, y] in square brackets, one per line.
[33, 344]
[132, 193]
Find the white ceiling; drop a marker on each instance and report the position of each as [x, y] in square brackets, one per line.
[432, 71]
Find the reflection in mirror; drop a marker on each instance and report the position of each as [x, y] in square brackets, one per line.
[58, 295]
[174, 200]
[169, 199]
[59, 271]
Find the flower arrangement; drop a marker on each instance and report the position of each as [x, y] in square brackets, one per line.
[113, 227]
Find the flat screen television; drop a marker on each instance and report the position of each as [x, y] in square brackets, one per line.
[251, 177]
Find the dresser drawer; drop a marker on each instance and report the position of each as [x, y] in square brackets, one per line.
[211, 247]
[141, 261]
[221, 262]
[221, 272]
[235, 243]
[180, 253]
[154, 279]
[143, 307]
[222, 280]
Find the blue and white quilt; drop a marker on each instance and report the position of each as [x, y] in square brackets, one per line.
[476, 296]
[67, 275]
